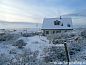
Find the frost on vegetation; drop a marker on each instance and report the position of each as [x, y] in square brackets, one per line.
[74, 48]
[29, 34]
[20, 43]
[36, 50]
[8, 37]
[13, 51]
[83, 33]
[54, 53]
[26, 57]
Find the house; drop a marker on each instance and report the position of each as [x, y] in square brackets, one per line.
[56, 25]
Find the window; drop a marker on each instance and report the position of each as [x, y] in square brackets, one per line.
[56, 22]
[58, 31]
[53, 32]
[68, 25]
[65, 30]
[47, 32]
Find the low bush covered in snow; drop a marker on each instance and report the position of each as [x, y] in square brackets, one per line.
[54, 53]
[74, 48]
[83, 33]
[8, 37]
[20, 43]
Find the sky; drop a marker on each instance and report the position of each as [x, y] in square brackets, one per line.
[35, 10]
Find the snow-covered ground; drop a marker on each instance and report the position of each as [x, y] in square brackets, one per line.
[39, 51]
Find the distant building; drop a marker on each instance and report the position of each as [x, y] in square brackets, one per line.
[56, 25]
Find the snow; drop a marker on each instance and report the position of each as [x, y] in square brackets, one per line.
[48, 23]
[4, 48]
[37, 44]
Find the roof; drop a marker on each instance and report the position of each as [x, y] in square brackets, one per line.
[49, 23]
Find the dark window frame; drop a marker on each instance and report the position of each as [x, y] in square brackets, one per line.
[57, 22]
[47, 32]
[58, 31]
[53, 32]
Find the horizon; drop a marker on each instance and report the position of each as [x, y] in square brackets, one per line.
[21, 25]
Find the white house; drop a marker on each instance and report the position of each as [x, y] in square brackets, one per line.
[56, 25]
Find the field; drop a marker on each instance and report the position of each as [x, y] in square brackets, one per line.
[30, 47]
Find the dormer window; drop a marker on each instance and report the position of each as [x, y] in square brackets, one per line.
[56, 22]
[68, 25]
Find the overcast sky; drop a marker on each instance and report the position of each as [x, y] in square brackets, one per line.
[36, 10]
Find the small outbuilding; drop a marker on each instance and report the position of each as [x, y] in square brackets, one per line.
[56, 25]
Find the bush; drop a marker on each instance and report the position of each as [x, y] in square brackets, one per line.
[83, 33]
[74, 48]
[7, 37]
[12, 51]
[54, 53]
[2, 39]
[20, 43]
[28, 56]
[28, 34]
[58, 41]
[4, 59]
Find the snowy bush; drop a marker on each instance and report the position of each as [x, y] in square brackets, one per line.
[2, 39]
[54, 53]
[8, 37]
[28, 34]
[58, 41]
[27, 57]
[12, 51]
[4, 60]
[20, 43]
[83, 33]
[74, 48]
[64, 35]
[70, 35]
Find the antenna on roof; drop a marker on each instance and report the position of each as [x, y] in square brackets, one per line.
[60, 17]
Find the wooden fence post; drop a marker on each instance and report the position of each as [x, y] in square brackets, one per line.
[67, 53]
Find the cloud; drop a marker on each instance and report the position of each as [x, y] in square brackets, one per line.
[36, 10]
